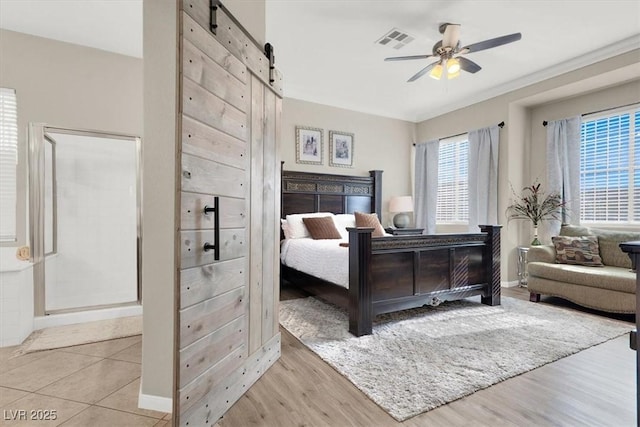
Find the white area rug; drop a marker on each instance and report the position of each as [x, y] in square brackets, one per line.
[419, 359]
[80, 333]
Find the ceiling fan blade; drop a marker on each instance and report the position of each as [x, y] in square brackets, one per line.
[488, 44]
[405, 58]
[468, 65]
[422, 72]
[451, 35]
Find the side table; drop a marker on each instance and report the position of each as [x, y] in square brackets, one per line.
[523, 274]
[404, 231]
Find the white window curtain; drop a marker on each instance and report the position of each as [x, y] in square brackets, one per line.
[563, 171]
[483, 177]
[8, 163]
[426, 185]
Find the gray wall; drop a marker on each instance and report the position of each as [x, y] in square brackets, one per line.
[377, 140]
[251, 14]
[159, 176]
[67, 85]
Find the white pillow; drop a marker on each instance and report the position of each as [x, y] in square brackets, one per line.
[297, 229]
[285, 228]
[343, 221]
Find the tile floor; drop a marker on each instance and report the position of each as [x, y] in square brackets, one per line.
[87, 385]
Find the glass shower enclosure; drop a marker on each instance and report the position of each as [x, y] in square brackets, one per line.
[84, 203]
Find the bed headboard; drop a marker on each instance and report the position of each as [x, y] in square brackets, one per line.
[304, 192]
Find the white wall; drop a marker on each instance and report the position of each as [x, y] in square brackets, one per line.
[379, 143]
[67, 85]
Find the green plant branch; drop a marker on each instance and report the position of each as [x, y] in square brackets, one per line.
[536, 206]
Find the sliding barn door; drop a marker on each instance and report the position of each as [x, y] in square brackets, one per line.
[228, 291]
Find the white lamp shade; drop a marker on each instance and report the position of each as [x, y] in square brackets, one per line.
[401, 204]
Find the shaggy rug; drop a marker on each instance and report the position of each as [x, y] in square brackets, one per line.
[419, 359]
[80, 333]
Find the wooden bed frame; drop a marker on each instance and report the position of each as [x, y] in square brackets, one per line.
[388, 274]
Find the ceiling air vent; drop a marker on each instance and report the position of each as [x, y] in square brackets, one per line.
[395, 39]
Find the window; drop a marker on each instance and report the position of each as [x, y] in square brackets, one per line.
[610, 167]
[453, 185]
[8, 163]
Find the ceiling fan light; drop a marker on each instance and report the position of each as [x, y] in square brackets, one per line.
[453, 75]
[453, 66]
[436, 72]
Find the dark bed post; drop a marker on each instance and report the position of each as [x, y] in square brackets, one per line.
[633, 250]
[376, 203]
[492, 264]
[360, 318]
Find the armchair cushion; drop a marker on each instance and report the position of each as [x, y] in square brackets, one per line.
[542, 253]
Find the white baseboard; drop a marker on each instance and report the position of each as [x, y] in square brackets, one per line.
[155, 403]
[511, 284]
[61, 319]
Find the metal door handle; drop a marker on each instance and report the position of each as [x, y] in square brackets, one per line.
[216, 228]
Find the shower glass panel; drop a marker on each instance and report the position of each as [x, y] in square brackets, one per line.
[91, 220]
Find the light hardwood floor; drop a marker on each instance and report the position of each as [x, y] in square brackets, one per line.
[595, 387]
[97, 385]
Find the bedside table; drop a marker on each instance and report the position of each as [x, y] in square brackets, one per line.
[404, 231]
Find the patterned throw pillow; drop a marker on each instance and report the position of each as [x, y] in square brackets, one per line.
[322, 228]
[580, 250]
[369, 221]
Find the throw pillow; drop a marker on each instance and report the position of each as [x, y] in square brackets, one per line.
[580, 250]
[369, 221]
[321, 228]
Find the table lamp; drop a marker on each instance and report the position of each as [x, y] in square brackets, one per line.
[401, 206]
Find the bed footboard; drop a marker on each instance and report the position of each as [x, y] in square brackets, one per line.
[395, 273]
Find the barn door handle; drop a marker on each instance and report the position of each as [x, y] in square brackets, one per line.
[216, 228]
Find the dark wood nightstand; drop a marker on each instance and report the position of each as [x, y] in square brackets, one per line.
[404, 231]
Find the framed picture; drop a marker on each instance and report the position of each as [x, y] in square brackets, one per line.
[308, 145]
[341, 149]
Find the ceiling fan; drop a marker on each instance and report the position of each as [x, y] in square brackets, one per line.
[449, 52]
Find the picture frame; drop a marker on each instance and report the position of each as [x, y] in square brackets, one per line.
[341, 149]
[309, 147]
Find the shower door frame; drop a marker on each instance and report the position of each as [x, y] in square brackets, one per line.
[37, 138]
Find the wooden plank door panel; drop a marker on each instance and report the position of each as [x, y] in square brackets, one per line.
[204, 106]
[204, 318]
[270, 230]
[257, 211]
[196, 358]
[209, 143]
[227, 331]
[204, 71]
[207, 281]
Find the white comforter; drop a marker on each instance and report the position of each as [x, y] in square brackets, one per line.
[324, 259]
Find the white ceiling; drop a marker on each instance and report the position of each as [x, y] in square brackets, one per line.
[113, 25]
[327, 53]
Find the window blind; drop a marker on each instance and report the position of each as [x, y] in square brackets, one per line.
[610, 168]
[8, 163]
[453, 185]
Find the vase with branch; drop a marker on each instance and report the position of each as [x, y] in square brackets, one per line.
[536, 206]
